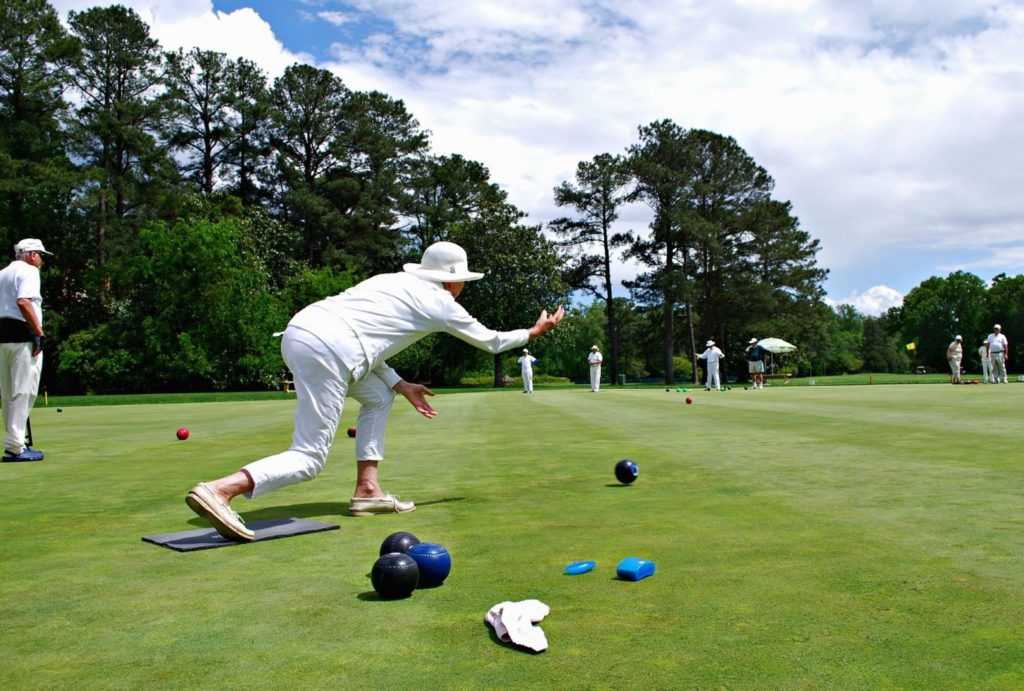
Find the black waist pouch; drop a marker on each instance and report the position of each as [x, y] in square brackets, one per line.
[14, 331]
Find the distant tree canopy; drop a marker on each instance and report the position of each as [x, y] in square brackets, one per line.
[193, 204]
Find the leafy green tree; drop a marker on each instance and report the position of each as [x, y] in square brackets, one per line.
[198, 120]
[1005, 306]
[247, 152]
[115, 131]
[309, 117]
[523, 273]
[378, 151]
[940, 308]
[588, 240]
[205, 311]
[445, 191]
[36, 176]
[659, 163]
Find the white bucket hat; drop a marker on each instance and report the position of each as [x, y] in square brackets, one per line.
[752, 341]
[958, 338]
[445, 262]
[709, 344]
[30, 245]
[594, 347]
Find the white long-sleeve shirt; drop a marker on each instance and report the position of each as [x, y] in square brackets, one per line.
[384, 315]
[712, 355]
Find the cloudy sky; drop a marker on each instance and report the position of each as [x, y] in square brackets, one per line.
[895, 127]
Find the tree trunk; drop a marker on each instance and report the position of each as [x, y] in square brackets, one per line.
[499, 372]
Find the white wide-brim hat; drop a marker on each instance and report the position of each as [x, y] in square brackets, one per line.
[594, 347]
[709, 344]
[752, 341]
[445, 262]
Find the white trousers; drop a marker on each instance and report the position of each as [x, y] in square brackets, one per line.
[712, 368]
[528, 381]
[954, 368]
[986, 366]
[322, 383]
[998, 367]
[19, 385]
[595, 377]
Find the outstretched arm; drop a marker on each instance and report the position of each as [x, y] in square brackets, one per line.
[416, 394]
[546, 322]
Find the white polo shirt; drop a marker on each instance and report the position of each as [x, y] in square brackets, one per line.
[996, 343]
[20, 280]
[384, 315]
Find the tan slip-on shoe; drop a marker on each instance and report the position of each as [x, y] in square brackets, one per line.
[371, 506]
[222, 517]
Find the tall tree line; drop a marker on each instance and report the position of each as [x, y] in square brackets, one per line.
[721, 258]
[145, 170]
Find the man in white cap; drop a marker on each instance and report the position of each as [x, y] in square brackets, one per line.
[755, 363]
[337, 347]
[526, 363]
[986, 361]
[998, 349]
[712, 356]
[594, 360]
[954, 356]
[21, 345]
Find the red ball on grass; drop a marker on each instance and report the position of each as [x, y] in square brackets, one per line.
[351, 431]
[182, 433]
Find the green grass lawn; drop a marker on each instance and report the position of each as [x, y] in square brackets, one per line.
[805, 538]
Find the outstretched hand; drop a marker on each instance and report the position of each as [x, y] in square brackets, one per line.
[546, 322]
[416, 394]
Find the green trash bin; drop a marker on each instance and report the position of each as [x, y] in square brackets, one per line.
[622, 380]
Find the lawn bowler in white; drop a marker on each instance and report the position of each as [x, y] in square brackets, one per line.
[955, 355]
[21, 345]
[526, 363]
[986, 362]
[338, 347]
[998, 349]
[594, 360]
[712, 356]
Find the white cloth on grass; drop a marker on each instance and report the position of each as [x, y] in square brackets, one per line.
[513, 622]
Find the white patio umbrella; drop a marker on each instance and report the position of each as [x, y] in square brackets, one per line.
[776, 345]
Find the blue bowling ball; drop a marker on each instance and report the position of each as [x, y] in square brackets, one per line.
[434, 563]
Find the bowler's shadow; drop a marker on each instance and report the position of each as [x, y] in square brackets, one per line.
[330, 509]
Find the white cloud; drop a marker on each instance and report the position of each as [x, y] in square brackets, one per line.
[335, 18]
[874, 301]
[894, 126]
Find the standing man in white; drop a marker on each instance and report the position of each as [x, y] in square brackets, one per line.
[986, 362]
[595, 360]
[337, 347]
[21, 345]
[712, 356]
[526, 363]
[954, 355]
[998, 349]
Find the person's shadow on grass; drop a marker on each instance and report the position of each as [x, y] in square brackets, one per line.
[330, 509]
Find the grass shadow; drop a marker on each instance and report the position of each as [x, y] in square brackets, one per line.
[325, 508]
[511, 646]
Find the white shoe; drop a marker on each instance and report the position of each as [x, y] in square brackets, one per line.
[371, 506]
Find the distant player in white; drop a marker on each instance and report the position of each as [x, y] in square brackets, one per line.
[526, 363]
[986, 362]
[954, 355]
[998, 349]
[712, 356]
[595, 360]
